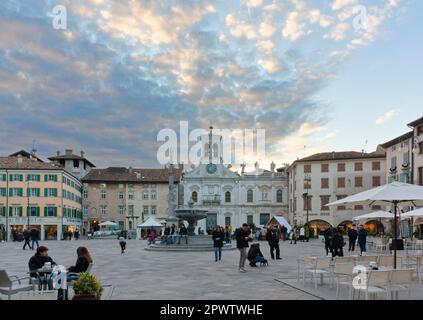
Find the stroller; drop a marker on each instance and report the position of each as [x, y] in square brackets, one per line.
[255, 256]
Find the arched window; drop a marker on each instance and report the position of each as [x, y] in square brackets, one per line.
[194, 196]
[215, 150]
[227, 196]
[206, 150]
[250, 196]
[279, 196]
[264, 194]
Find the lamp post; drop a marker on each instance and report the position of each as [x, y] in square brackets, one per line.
[28, 192]
[307, 181]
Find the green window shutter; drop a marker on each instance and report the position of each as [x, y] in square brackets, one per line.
[10, 211]
[55, 212]
[20, 212]
[4, 177]
[27, 192]
[20, 192]
[45, 192]
[38, 192]
[11, 177]
[27, 177]
[55, 192]
[3, 211]
[45, 211]
[55, 178]
[10, 192]
[21, 177]
[45, 178]
[38, 211]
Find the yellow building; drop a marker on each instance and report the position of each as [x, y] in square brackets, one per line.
[39, 195]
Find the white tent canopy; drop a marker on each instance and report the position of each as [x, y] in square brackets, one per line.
[150, 223]
[283, 222]
[108, 224]
[375, 215]
[413, 214]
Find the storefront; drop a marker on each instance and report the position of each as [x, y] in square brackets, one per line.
[345, 226]
[318, 226]
[374, 227]
[50, 232]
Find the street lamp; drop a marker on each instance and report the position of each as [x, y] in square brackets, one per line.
[28, 192]
[307, 181]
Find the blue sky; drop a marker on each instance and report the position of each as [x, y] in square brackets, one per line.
[121, 71]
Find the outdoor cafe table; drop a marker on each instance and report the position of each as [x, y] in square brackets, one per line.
[45, 274]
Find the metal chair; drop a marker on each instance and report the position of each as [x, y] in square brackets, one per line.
[320, 267]
[386, 261]
[8, 285]
[377, 282]
[343, 274]
[401, 280]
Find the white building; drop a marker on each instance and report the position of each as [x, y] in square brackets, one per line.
[322, 178]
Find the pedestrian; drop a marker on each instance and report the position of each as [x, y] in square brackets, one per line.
[328, 234]
[70, 234]
[362, 239]
[34, 237]
[218, 236]
[293, 235]
[302, 234]
[242, 239]
[352, 238]
[166, 234]
[272, 238]
[122, 244]
[14, 235]
[27, 236]
[337, 243]
[284, 231]
[76, 234]
[183, 233]
[258, 234]
[307, 232]
[255, 256]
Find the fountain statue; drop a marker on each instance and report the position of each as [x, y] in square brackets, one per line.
[191, 215]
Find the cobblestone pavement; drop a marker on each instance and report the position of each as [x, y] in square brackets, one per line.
[141, 274]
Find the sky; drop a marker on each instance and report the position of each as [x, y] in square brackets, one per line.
[318, 76]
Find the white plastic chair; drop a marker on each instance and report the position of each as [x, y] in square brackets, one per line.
[320, 267]
[414, 262]
[343, 274]
[377, 282]
[386, 261]
[418, 245]
[401, 280]
[379, 245]
[10, 285]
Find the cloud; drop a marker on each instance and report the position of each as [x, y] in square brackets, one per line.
[338, 4]
[386, 117]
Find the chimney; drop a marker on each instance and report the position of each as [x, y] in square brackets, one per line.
[34, 154]
[68, 152]
[20, 160]
[82, 153]
[58, 152]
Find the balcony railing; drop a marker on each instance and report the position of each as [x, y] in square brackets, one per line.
[211, 199]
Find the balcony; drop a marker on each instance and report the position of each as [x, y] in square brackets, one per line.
[211, 200]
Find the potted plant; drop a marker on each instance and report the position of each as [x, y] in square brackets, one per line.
[87, 287]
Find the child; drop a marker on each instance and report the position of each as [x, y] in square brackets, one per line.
[122, 243]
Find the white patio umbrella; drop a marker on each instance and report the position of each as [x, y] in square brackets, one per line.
[395, 193]
[108, 224]
[413, 214]
[375, 215]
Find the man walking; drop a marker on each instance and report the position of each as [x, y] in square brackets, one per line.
[362, 239]
[328, 241]
[272, 238]
[352, 237]
[242, 239]
[27, 236]
[34, 237]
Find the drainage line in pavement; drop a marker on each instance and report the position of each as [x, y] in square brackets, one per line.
[306, 292]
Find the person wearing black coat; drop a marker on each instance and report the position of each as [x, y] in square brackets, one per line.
[253, 253]
[352, 237]
[218, 236]
[183, 233]
[38, 260]
[272, 238]
[242, 239]
[337, 244]
[362, 239]
[82, 263]
[328, 240]
[34, 237]
[27, 236]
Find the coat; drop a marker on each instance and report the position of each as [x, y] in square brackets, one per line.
[254, 252]
[34, 234]
[218, 237]
[362, 236]
[272, 237]
[240, 238]
[337, 241]
[80, 266]
[353, 235]
[37, 261]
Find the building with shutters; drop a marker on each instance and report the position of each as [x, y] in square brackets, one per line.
[40, 195]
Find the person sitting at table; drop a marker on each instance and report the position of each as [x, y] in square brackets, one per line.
[38, 260]
[82, 263]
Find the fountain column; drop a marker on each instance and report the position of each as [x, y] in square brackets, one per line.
[172, 196]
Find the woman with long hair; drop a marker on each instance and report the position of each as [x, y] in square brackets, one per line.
[83, 261]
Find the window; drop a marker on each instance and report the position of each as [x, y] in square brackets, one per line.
[145, 195]
[341, 167]
[153, 186]
[358, 166]
[76, 163]
[358, 182]
[153, 210]
[85, 194]
[324, 200]
[376, 181]
[406, 159]
[206, 150]
[393, 162]
[325, 167]
[131, 210]
[15, 192]
[15, 211]
[130, 186]
[307, 203]
[250, 196]
[2, 177]
[341, 182]
[376, 165]
[145, 210]
[279, 195]
[403, 177]
[358, 207]
[131, 195]
[103, 210]
[50, 177]
[33, 211]
[103, 194]
[85, 211]
[2, 211]
[376, 208]
[50, 212]
[121, 210]
[307, 168]
[307, 183]
[421, 148]
[2, 192]
[194, 196]
[32, 177]
[50, 192]
[420, 180]
[250, 219]
[215, 150]
[340, 208]
[153, 195]
[295, 204]
[227, 196]
[325, 183]
[16, 177]
[264, 218]
[264, 194]
[211, 189]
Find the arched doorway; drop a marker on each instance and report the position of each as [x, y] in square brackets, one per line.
[345, 226]
[374, 227]
[318, 226]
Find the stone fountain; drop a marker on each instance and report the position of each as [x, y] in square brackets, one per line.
[191, 215]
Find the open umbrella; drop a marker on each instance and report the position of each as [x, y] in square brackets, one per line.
[376, 215]
[395, 193]
[413, 214]
[108, 224]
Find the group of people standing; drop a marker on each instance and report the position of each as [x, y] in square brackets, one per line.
[31, 235]
[334, 240]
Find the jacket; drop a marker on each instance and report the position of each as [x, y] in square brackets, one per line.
[362, 236]
[34, 234]
[183, 231]
[353, 234]
[80, 266]
[337, 241]
[328, 236]
[27, 234]
[254, 252]
[240, 238]
[36, 262]
[272, 237]
[218, 237]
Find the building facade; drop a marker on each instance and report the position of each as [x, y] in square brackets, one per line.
[38, 195]
[323, 178]
[125, 196]
[77, 165]
[417, 155]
